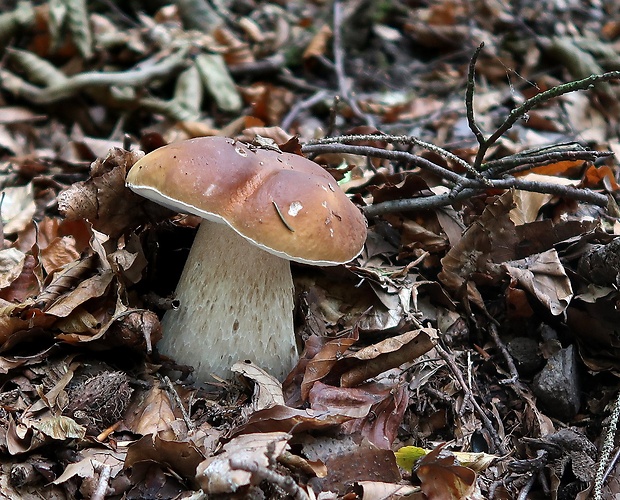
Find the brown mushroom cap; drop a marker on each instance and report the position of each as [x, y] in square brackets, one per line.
[282, 202]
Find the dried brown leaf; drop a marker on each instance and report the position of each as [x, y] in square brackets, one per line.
[104, 200]
[181, 457]
[89, 459]
[26, 284]
[443, 478]
[216, 475]
[387, 354]
[322, 363]
[381, 424]
[285, 419]
[58, 253]
[151, 413]
[89, 288]
[351, 402]
[267, 389]
[544, 277]
[360, 462]
[11, 265]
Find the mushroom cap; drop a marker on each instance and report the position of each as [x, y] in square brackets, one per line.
[283, 203]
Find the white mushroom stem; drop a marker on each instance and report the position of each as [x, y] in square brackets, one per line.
[236, 303]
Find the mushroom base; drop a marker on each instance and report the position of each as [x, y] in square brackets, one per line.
[236, 304]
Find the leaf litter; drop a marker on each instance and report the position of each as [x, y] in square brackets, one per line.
[482, 292]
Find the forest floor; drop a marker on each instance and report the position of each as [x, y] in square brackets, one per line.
[470, 350]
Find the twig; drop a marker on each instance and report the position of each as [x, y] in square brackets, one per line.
[398, 139]
[343, 85]
[518, 163]
[521, 111]
[469, 97]
[608, 446]
[287, 483]
[441, 200]
[175, 395]
[526, 489]
[105, 472]
[77, 83]
[409, 158]
[270, 64]
[317, 97]
[451, 363]
[514, 374]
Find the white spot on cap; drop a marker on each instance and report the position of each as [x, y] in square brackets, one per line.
[294, 209]
[331, 232]
[210, 189]
[240, 151]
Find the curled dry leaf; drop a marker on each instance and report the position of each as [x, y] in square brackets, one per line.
[387, 354]
[322, 363]
[285, 419]
[105, 201]
[352, 402]
[381, 425]
[378, 490]
[87, 289]
[87, 460]
[216, 475]
[442, 478]
[544, 277]
[18, 208]
[267, 389]
[150, 413]
[356, 462]
[491, 239]
[181, 457]
[11, 265]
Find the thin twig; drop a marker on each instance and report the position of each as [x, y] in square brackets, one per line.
[523, 494]
[287, 483]
[409, 158]
[398, 139]
[79, 82]
[451, 363]
[441, 200]
[518, 163]
[469, 97]
[315, 98]
[105, 472]
[514, 374]
[343, 85]
[521, 111]
[175, 395]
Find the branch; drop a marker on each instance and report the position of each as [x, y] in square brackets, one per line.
[521, 111]
[441, 200]
[409, 158]
[469, 97]
[82, 81]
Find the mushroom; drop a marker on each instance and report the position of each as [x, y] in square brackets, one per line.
[260, 209]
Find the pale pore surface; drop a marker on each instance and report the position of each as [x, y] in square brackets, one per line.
[236, 303]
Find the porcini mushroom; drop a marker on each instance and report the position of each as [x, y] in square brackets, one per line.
[261, 209]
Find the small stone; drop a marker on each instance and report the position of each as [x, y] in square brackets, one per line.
[557, 385]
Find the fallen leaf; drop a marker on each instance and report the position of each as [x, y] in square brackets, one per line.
[544, 277]
[444, 479]
[389, 353]
[89, 459]
[216, 475]
[267, 389]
